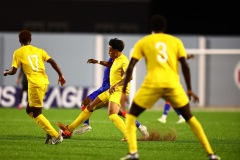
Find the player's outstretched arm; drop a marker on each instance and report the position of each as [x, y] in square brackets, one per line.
[187, 78]
[11, 71]
[61, 79]
[104, 63]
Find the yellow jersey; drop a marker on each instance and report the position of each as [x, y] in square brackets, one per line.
[117, 71]
[32, 61]
[161, 52]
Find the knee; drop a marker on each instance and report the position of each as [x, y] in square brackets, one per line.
[185, 112]
[33, 111]
[86, 101]
[90, 108]
[29, 112]
[136, 110]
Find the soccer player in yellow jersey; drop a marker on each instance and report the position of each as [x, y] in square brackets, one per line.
[32, 59]
[162, 52]
[112, 96]
[105, 86]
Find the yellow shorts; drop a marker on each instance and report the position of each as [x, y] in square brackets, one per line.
[114, 97]
[36, 95]
[147, 97]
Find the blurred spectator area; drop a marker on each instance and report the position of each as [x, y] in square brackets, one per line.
[120, 16]
[41, 26]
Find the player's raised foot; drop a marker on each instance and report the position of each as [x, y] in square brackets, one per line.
[48, 138]
[85, 128]
[162, 120]
[64, 132]
[143, 130]
[131, 156]
[54, 141]
[213, 157]
[181, 120]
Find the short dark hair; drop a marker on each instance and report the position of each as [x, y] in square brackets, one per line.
[117, 44]
[25, 37]
[158, 23]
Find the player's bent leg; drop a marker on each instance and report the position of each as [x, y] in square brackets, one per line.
[131, 133]
[131, 118]
[136, 110]
[197, 129]
[95, 105]
[53, 137]
[141, 128]
[118, 122]
[67, 130]
[85, 123]
[83, 116]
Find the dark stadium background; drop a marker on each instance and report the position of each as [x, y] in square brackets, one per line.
[119, 16]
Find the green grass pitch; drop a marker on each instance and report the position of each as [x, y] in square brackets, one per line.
[22, 139]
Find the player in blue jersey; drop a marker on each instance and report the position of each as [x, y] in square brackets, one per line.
[167, 107]
[105, 86]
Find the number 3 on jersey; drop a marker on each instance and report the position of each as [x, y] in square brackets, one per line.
[33, 60]
[162, 54]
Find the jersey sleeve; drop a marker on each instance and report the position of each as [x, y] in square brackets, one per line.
[181, 51]
[15, 61]
[137, 51]
[45, 55]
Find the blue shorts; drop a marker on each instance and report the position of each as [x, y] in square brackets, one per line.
[100, 90]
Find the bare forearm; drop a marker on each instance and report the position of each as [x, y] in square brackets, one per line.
[57, 69]
[187, 77]
[11, 71]
[103, 63]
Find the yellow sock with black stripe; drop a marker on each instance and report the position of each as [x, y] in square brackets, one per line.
[83, 116]
[131, 132]
[199, 133]
[46, 126]
[118, 122]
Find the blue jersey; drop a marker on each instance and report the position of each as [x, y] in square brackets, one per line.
[105, 84]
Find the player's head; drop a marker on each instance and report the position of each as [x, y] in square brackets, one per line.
[117, 44]
[25, 37]
[158, 23]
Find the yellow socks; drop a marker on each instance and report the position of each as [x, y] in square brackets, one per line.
[118, 122]
[131, 133]
[199, 133]
[83, 116]
[46, 126]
